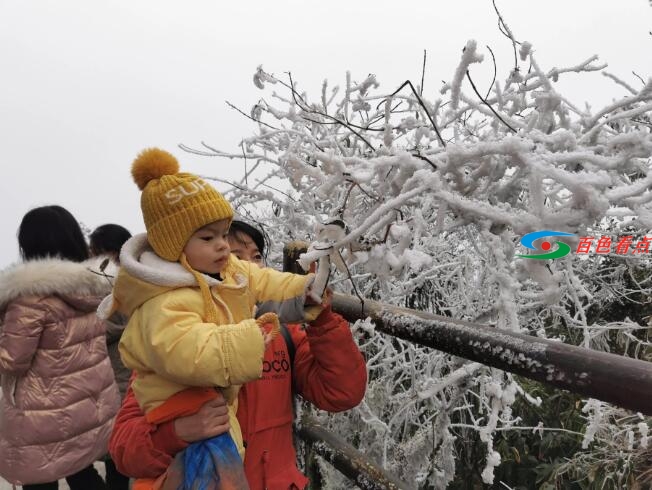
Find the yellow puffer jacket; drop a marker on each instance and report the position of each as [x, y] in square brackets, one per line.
[168, 343]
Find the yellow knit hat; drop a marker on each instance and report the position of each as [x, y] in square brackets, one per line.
[174, 204]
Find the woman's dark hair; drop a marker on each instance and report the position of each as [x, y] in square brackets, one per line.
[109, 238]
[51, 231]
[255, 234]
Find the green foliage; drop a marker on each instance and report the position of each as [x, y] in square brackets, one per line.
[529, 458]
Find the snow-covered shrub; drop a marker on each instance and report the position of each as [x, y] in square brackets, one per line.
[436, 188]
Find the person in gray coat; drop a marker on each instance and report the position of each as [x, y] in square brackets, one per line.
[59, 396]
[106, 241]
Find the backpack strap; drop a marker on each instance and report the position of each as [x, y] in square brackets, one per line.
[291, 352]
[289, 343]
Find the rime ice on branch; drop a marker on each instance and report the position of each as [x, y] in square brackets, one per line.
[436, 187]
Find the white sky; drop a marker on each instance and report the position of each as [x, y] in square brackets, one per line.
[85, 85]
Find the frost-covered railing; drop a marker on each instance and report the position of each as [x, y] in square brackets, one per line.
[620, 380]
[345, 458]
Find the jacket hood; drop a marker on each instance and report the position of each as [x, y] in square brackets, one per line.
[139, 260]
[144, 275]
[77, 283]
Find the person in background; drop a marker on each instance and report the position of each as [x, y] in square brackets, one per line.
[247, 242]
[320, 362]
[59, 397]
[106, 241]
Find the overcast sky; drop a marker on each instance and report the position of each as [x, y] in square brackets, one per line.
[85, 85]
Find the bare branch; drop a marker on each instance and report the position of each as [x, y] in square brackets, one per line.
[493, 80]
[507, 32]
[248, 116]
[468, 76]
[432, 121]
[423, 72]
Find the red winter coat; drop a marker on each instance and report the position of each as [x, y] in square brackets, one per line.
[328, 371]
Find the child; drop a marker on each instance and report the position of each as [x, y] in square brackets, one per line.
[191, 302]
[108, 240]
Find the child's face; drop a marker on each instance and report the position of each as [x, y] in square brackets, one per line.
[208, 249]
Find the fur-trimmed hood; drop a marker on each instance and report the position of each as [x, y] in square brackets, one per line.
[45, 277]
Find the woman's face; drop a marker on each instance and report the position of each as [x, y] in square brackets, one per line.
[243, 247]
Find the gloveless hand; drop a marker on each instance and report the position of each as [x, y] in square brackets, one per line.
[211, 420]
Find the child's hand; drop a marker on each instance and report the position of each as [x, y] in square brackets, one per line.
[269, 326]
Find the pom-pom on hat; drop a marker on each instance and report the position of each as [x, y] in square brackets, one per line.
[174, 204]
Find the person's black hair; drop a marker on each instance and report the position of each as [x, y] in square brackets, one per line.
[109, 238]
[254, 233]
[51, 231]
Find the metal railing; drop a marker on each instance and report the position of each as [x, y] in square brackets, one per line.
[616, 379]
